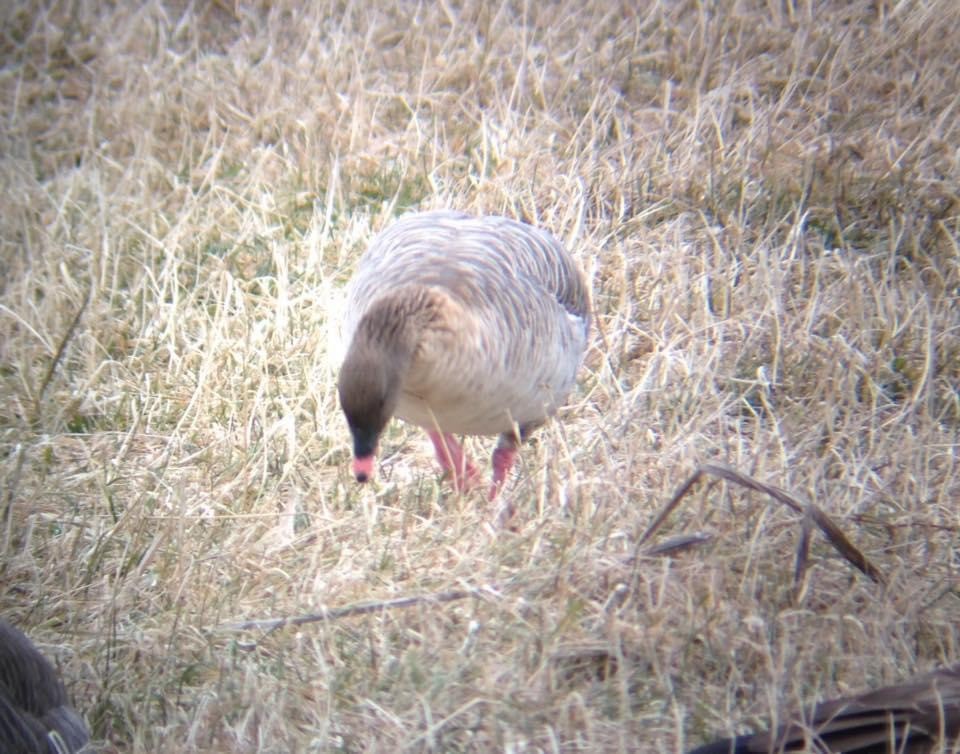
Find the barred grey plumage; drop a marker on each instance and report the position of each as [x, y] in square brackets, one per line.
[913, 717]
[461, 325]
[35, 716]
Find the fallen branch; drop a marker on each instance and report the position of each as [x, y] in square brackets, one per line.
[363, 608]
[677, 544]
[810, 512]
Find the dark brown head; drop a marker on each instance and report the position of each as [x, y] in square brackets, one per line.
[369, 386]
[377, 362]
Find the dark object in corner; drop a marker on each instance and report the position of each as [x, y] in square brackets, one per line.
[35, 716]
[913, 717]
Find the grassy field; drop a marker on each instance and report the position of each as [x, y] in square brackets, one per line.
[764, 196]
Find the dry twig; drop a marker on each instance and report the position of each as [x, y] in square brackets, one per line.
[363, 608]
[810, 512]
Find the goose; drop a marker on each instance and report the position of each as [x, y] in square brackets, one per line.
[35, 717]
[462, 325]
[909, 718]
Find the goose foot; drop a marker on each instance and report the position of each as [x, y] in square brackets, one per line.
[505, 517]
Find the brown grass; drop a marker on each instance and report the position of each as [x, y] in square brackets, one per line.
[765, 196]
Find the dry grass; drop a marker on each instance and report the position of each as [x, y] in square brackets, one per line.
[765, 195]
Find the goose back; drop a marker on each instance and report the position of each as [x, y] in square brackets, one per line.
[34, 709]
[505, 318]
[913, 717]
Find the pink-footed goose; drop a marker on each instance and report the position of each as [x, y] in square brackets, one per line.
[462, 325]
[35, 716]
[917, 716]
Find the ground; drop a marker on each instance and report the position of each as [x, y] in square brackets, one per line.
[764, 197]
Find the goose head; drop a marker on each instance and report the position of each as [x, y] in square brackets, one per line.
[369, 387]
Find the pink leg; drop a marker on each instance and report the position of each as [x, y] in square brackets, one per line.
[503, 458]
[453, 459]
